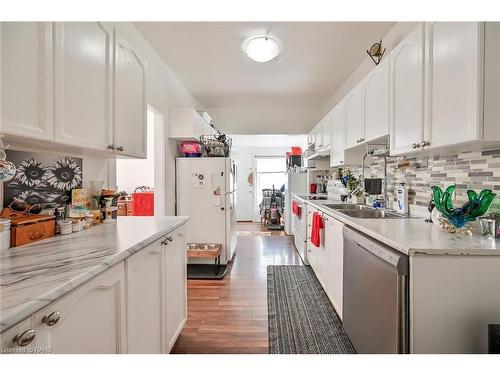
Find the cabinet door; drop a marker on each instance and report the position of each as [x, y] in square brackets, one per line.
[327, 129]
[337, 147]
[26, 84]
[82, 76]
[129, 101]
[407, 93]
[455, 85]
[91, 319]
[145, 300]
[376, 101]
[318, 136]
[176, 284]
[17, 339]
[353, 103]
[334, 248]
[311, 253]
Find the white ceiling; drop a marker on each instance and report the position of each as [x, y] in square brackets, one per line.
[316, 58]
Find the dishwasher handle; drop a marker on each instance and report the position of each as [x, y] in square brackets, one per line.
[385, 253]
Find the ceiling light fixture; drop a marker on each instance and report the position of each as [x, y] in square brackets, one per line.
[261, 48]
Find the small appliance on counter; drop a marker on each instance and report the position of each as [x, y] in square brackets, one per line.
[490, 226]
[336, 190]
[401, 204]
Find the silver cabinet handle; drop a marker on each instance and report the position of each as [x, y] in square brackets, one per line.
[25, 338]
[341, 162]
[112, 147]
[425, 143]
[120, 148]
[415, 145]
[52, 319]
[164, 242]
[170, 239]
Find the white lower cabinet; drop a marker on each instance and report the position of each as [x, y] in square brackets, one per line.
[156, 295]
[334, 262]
[137, 306]
[90, 319]
[18, 339]
[327, 260]
[145, 272]
[175, 285]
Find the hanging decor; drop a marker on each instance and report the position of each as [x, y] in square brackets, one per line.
[42, 178]
[376, 52]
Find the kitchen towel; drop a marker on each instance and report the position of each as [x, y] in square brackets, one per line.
[317, 225]
[296, 208]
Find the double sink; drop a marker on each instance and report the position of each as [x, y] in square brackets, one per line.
[363, 211]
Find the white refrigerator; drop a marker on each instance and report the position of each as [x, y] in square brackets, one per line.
[206, 192]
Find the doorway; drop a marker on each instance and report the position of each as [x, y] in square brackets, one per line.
[270, 171]
[245, 186]
[149, 172]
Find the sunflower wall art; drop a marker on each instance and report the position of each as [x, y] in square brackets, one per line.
[43, 178]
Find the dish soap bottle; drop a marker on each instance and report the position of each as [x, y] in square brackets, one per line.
[401, 205]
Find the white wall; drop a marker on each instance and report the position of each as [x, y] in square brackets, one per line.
[131, 173]
[265, 120]
[390, 40]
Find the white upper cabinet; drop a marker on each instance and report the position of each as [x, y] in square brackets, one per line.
[187, 124]
[326, 129]
[376, 102]
[82, 84]
[454, 71]
[129, 100]
[407, 93]
[26, 79]
[337, 142]
[354, 128]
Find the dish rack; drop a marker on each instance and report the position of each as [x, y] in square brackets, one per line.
[216, 145]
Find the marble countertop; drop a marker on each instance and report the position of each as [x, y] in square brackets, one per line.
[413, 235]
[35, 275]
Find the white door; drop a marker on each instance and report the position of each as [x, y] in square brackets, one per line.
[145, 272]
[454, 72]
[337, 148]
[407, 93]
[245, 185]
[334, 249]
[26, 84]
[376, 101]
[353, 103]
[175, 284]
[82, 76]
[89, 320]
[129, 100]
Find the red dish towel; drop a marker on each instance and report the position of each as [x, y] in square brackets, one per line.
[296, 208]
[317, 225]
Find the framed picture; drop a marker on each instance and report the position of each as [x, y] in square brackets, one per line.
[43, 178]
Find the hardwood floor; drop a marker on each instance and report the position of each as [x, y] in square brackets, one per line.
[230, 315]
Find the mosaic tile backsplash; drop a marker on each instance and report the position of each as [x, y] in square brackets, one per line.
[475, 170]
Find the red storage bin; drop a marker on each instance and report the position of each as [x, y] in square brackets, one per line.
[143, 204]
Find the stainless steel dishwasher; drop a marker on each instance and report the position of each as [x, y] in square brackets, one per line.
[375, 311]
